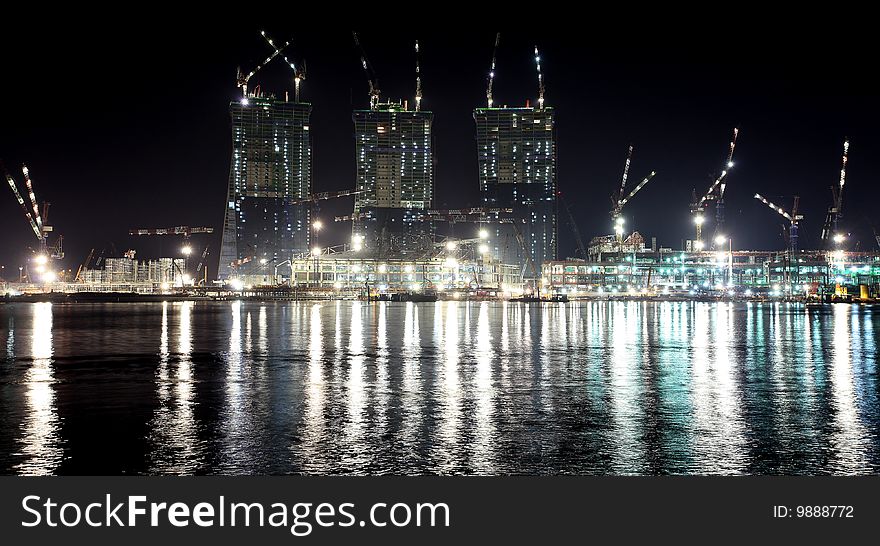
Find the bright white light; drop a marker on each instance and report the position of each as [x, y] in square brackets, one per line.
[619, 221]
[451, 245]
[484, 234]
[720, 240]
[776, 288]
[699, 245]
[729, 164]
[699, 220]
[316, 251]
[408, 269]
[456, 295]
[484, 249]
[317, 224]
[187, 250]
[164, 286]
[262, 261]
[383, 268]
[236, 284]
[451, 263]
[40, 268]
[187, 279]
[244, 101]
[839, 238]
[41, 259]
[50, 276]
[337, 285]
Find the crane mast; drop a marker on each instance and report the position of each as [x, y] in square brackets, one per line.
[371, 74]
[619, 199]
[491, 78]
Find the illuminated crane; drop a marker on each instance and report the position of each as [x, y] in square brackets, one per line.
[418, 81]
[540, 79]
[37, 221]
[792, 217]
[186, 231]
[298, 74]
[716, 193]
[835, 211]
[491, 78]
[371, 74]
[244, 79]
[619, 200]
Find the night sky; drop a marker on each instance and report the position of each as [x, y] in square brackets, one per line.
[126, 127]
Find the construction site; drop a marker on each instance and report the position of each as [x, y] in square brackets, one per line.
[401, 247]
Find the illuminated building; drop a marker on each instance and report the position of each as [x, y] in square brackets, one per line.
[271, 164]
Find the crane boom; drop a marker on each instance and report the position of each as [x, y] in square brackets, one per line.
[839, 201]
[186, 231]
[371, 74]
[322, 196]
[418, 81]
[776, 208]
[243, 80]
[24, 208]
[30, 188]
[298, 75]
[540, 79]
[574, 229]
[641, 185]
[492, 70]
[629, 154]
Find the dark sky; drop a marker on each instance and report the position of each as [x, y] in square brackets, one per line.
[126, 127]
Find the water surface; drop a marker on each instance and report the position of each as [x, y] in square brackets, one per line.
[438, 388]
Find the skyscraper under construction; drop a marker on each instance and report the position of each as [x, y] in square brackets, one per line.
[271, 164]
[395, 176]
[516, 156]
[395, 170]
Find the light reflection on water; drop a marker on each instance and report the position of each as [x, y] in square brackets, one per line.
[439, 388]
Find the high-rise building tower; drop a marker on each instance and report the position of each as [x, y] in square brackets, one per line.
[271, 164]
[395, 174]
[516, 154]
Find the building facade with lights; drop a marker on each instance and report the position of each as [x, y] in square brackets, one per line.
[516, 157]
[271, 165]
[395, 177]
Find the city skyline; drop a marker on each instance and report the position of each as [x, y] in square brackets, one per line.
[775, 157]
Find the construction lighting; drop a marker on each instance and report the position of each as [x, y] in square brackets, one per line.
[720, 240]
[40, 268]
[451, 263]
[317, 225]
[187, 250]
[41, 259]
[451, 245]
[699, 220]
[244, 101]
[619, 221]
[236, 284]
[50, 276]
[187, 279]
[839, 238]
[316, 251]
[262, 261]
[699, 245]
[484, 234]
[484, 249]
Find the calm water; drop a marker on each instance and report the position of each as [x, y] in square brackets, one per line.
[445, 388]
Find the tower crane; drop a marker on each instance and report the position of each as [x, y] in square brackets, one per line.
[619, 200]
[242, 79]
[540, 79]
[298, 74]
[835, 211]
[793, 218]
[371, 74]
[715, 192]
[37, 221]
[491, 78]
[418, 81]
